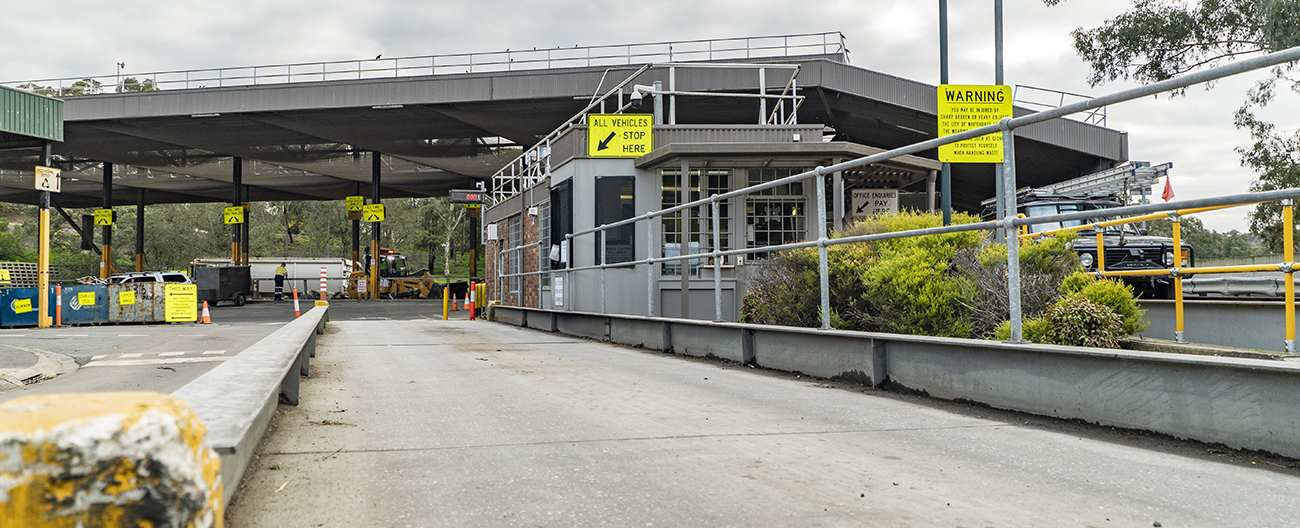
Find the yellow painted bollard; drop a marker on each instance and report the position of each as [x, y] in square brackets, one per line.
[1178, 279]
[1288, 255]
[106, 460]
[446, 291]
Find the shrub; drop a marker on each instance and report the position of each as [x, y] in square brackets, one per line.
[1044, 263]
[1111, 293]
[1075, 320]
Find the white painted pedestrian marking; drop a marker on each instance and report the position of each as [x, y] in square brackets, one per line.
[194, 335]
[169, 354]
[143, 362]
[132, 335]
[13, 335]
[213, 352]
[97, 358]
[72, 335]
[131, 355]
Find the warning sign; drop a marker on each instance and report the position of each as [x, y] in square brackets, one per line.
[181, 303]
[964, 107]
[233, 215]
[872, 202]
[4, 277]
[619, 135]
[103, 217]
[373, 213]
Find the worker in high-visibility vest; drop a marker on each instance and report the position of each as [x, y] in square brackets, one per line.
[280, 274]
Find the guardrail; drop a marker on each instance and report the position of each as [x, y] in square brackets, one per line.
[236, 399]
[1183, 264]
[1006, 204]
[456, 63]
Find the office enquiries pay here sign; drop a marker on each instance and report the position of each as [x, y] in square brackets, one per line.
[963, 107]
[619, 135]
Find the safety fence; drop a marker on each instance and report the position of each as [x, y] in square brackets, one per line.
[739, 48]
[1006, 204]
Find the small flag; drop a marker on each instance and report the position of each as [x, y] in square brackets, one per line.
[1169, 190]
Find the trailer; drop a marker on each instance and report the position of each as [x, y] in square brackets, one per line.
[223, 283]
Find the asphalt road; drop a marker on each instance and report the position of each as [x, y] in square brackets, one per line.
[428, 423]
[164, 357]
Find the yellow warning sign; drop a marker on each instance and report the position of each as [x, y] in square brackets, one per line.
[181, 303]
[373, 213]
[22, 305]
[4, 277]
[964, 107]
[103, 217]
[86, 298]
[355, 203]
[619, 135]
[233, 215]
[126, 298]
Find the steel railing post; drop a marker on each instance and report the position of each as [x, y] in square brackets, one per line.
[717, 259]
[762, 92]
[1178, 280]
[1288, 254]
[650, 267]
[1013, 249]
[603, 262]
[823, 265]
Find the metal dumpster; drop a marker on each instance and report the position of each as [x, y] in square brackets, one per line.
[137, 302]
[85, 304]
[18, 307]
[223, 283]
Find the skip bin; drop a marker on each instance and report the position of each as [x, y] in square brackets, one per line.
[136, 302]
[85, 304]
[223, 283]
[18, 307]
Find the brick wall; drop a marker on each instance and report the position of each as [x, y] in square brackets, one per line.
[500, 289]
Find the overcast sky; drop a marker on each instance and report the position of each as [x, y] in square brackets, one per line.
[89, 37]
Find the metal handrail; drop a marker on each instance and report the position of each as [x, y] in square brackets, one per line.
[459, 63]
[1006, 127]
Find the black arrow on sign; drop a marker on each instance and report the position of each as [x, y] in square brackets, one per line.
[863, 207]
[605, 144]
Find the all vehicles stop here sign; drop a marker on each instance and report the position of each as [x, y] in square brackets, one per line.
[619, 135]
[963, 107]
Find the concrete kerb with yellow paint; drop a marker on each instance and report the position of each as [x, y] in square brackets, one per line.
[147, 459]
[236, 399]
[106, 459]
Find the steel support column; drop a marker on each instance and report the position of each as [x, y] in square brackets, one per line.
[684, 244]
[357, 265]
[106, 234]
[43, 319]
[246, 227]
[374, 226]
[139, 229]
[236, 185]
[945, 181]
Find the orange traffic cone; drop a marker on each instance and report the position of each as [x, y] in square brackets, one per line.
[207, 319]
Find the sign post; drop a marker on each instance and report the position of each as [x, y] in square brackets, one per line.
[964, 107]
[619, 135]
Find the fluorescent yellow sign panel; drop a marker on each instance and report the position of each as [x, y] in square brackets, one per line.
[355, 203]
[86, 298]
[126, 298]
[181, 303]
[619, 135]
[964, 107]
[103, 217]
[22, 305]
[233, 215]
[373, 213]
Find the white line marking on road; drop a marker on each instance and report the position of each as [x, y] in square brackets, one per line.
[132, 335]
[194, 335]
[169, 354]
[13, 335]
[143, 362]
[130, 355]
[72, 335]
[271, 324]
[97, 358]
[213, 352]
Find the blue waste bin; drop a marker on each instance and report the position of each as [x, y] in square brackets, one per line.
[85, 304]
[18, 307]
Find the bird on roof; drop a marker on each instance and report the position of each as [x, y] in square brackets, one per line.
[378, 56]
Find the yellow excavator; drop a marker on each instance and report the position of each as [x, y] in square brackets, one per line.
[396, 280]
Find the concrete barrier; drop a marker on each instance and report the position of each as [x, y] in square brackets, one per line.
[1259, 325]
[106, 459]
[236, 399]
[1242, 403]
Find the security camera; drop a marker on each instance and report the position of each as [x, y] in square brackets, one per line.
[639, 91]
[635, 103]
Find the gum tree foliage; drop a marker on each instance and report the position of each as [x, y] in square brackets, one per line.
[1208, 243]
[1159, 39]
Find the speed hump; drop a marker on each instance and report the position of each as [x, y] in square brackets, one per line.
[233, 215]
[373, 213]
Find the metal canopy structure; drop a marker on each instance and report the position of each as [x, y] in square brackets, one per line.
[312, 139]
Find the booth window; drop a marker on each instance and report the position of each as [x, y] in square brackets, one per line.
[615, 201]
[774, 216]
[699, 220]
[544, 247]
[561, 208]
[516, 235]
